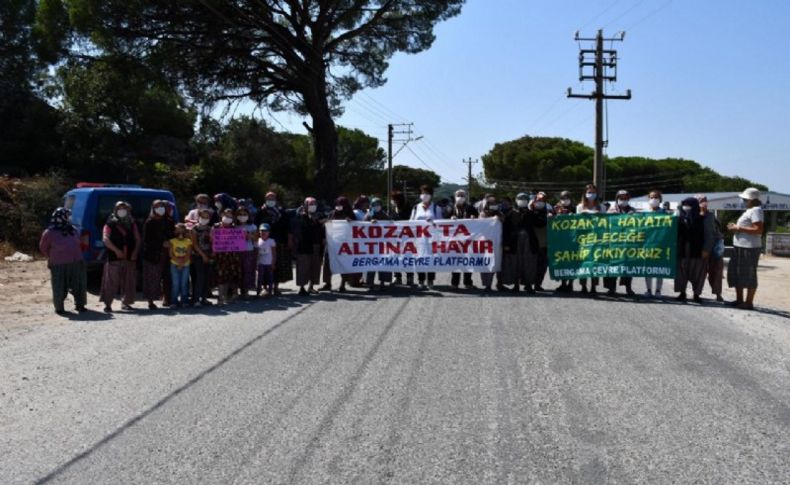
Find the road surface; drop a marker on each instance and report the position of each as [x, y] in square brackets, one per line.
[403, 388]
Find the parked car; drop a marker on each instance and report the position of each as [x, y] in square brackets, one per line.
[92, 204]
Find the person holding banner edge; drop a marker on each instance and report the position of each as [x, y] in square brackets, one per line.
[589, 205]
[655, 198]
[375, 214]
[520, 247]
[564, 207]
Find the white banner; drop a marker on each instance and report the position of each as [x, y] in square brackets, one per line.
[468, 245]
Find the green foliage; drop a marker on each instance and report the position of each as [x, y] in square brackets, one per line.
[413, 178]
[25, 207]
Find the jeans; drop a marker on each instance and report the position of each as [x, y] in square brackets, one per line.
[180, 281]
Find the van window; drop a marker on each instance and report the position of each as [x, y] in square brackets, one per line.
[68, 201]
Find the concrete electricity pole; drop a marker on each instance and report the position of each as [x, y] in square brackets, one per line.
[390, 136]
[604, 66]
[469, 163]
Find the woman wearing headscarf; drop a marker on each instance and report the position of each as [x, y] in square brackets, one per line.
[272, 213]
[747, 240]
[227, 265]
[692, 257]
[224, 201]
[157, 230]
[520, 246]
[714, 236]
[564, 207]
[541, 212]
[462, 209]
[202, 202]
[122, 240]
[374, 215]
[589, 205]
[307, 240]
[248, 259]
[622, 205]
[491, 209]
[427, 211]
[654, 202]
[60, 244]
[342, 212]
[361, 207]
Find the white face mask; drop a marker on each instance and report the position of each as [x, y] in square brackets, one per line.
[271, 203]
[339, 208]
[460, 200]
[160, 211]
[591, 195]
[521, 203]
[622, 203]
[654, 203]
[493, 208]
[539, 205]
[425, 198]
[243, 219]
[312, 208]
[686, 208]
[565, 202]
[218, 205]
[122, 213]
[203, 221]
[227, 220]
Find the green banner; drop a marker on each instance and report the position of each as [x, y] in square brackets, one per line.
[595, 245]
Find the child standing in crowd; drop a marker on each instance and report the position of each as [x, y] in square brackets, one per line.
[247, 258]
[180, 257]
[655, 199]
[267, 248]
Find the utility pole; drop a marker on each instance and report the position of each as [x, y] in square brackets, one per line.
[469, 163]
[604, 66]
[390, 138]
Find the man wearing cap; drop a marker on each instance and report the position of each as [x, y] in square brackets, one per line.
[747, 240]
[622, 205]
[462, 209]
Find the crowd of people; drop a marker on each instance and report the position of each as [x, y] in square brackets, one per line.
[179, 267]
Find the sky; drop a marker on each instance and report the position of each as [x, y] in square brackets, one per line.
[709, 81]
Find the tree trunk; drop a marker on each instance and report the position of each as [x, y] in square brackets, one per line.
[324, 135]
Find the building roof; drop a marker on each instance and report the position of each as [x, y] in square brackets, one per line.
[772, 201]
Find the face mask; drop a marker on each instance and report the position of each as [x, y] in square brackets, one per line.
[654, 203]
[68, 218]
[271, 203]
[312, 208]
[202, 206]
[591, 196]
[122, 213]
[522, 203]
[339, 208]
[203, 221]
[493, 208]
[376, 208]
[460, 200]
[622, 203]
[540, 205]
[686, 208]
[227, 220]
[565, 202]
[425, 198]
[160, 211]
[243, 219]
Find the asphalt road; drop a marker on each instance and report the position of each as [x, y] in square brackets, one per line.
[439, 388]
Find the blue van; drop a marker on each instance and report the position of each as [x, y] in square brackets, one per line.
[91, 205]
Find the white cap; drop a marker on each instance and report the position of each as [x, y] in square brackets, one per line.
[750, 194]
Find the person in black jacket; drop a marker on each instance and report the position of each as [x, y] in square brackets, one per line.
[157, 230]
[692, 256]
[307, 240]
[520, 247]
[462, 209]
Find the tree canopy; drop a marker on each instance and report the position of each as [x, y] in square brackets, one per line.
[303, 56]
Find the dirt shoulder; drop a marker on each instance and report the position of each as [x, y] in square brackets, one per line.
[27, 297]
